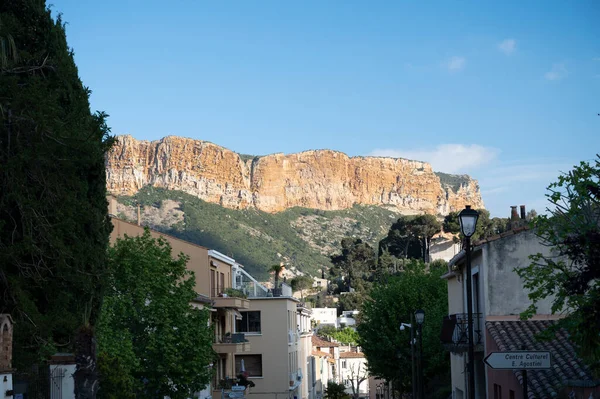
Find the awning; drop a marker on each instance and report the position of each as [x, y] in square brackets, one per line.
[237, 314]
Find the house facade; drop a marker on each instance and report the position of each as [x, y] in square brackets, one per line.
[213, 273]
[353, 372]
[325, 316]
[499, 297]
[266, 338]
[326, 355]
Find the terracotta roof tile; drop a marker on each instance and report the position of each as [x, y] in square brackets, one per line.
[566, 365]
[320, 353]
[321, 343]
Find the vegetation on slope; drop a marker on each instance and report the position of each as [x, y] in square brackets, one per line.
[300, 237]
[452, 181]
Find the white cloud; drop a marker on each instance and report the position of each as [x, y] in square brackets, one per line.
[508, 46]
[449, 158]
[558, 71]
[455, 64]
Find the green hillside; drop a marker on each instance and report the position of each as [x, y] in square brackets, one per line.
[303, 238]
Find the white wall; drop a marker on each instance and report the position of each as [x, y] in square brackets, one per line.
[5, 385]
[354, 367]
[325, 316]
[443, 249]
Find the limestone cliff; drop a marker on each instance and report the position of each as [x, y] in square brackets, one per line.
[321, 179]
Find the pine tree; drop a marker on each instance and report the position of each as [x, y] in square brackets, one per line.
[54, 226]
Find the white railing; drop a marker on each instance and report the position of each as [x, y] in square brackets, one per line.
[249, 285]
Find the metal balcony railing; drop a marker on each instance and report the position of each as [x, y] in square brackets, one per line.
[235, 338]
[455, 333]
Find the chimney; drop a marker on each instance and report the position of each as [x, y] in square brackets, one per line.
[523, 212]
[514, 215]
[139, 216]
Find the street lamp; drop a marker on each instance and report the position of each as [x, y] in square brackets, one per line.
[412, 354]
[468, 223]
[420, 318]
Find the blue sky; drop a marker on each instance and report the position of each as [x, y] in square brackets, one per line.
[507, 91]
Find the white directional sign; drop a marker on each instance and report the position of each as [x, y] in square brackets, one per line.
[519, 360]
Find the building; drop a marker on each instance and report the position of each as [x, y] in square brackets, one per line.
[325, 316]
[278, 330]
[265, 338]
[213, 273]
[348, 318]
[6, 343]
[498, 298]
[305, 360]
[326, 355]
[353, 372]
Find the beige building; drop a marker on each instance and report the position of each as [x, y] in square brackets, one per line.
[213, 280]
[278, 330]
[267, 338]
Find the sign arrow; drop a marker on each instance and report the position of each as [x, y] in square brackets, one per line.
[519, 360]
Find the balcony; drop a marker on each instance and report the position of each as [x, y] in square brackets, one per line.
[231, 343]
[295, 379]
[455, 337]
[230, 298]
[293, 337]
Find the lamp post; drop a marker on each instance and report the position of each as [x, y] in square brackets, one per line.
[420, 318]
[412, 353]
[468, 222]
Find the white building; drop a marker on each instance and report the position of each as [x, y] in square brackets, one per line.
[348, 318]
[325, 316]
[353, 372]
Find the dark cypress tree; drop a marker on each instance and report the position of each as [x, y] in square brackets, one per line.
[54, 227]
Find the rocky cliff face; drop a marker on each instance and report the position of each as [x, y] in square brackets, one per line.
[321, 179]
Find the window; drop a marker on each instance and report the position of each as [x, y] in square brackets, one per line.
[252, 365]
[213, 283]
[343, 364]
[511, 394]
[497, 391]
[250, 322]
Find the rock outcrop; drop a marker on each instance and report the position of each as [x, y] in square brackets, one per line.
[321, 179]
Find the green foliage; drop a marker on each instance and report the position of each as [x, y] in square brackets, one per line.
[486, 226]
[235, 293]
[116, 377]
[326, 331]
[454, 182]
[161, 344]
[346, 335]
[386, 347]
[357, 261]
[54, 228]
[570, 274]
[276, 270]
[301, 283]
[351, 301]
[255, 238]
[336, 391]
[410, 237]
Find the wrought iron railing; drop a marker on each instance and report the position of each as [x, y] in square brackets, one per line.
[235, 338]
[455, 331]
